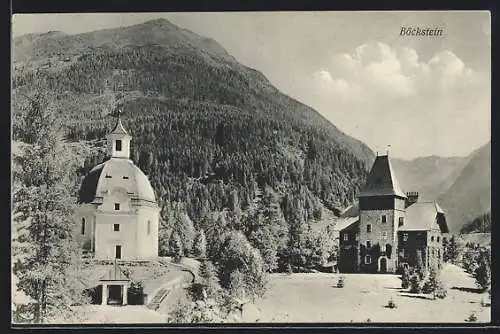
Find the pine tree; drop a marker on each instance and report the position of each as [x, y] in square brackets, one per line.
[434, 284]
[43, 206]
[452, 250]
[200, 245]
[483, 272]
[208, 278]
[182, 225]
[405, 278]
[420, 265]
[175, 246]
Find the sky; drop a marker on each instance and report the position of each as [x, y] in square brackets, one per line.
[421, 95]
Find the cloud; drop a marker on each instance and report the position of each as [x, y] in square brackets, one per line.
[396, 73]
[385, 95]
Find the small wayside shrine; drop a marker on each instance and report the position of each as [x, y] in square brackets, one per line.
[115, 285]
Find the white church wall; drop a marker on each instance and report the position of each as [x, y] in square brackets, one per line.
[118, 196]
[147, 243]
[107, 238]
[84, 213]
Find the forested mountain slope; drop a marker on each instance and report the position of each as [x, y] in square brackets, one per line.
[208, 131]
[470, 194]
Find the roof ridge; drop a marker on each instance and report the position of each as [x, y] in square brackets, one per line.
[394, 179]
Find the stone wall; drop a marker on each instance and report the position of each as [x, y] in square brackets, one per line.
[383, 238]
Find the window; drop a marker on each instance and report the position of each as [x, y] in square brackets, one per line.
[405, 237]
[83, 225]
[118, 251]
[346, 236]
[108, 176]
[368, 244]
[116, 227]
[125, 177]
[118, 145]
[368, 228]
[401, 221]
[444, 239]
[368, 259]
[149, 227]
[383, 235]
[117, 206]
[432, 238]
[384, 218]
[437, 239]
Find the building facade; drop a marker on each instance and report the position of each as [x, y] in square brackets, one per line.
[388, 228]
[117, 210]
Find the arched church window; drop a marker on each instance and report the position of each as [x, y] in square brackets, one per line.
[118, 145]
[149, 227]
[83, 225]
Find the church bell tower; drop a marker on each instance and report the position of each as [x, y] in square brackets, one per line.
[119, 140]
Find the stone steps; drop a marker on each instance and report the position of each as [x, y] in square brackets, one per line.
[158, 298]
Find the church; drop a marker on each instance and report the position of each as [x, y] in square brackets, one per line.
[117, 212]
[388, 228]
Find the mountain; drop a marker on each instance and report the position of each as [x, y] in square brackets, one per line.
[428, 175]
[160, 32]
[470, 195]
[207, 130]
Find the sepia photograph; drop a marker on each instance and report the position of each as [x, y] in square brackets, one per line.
[176, 168]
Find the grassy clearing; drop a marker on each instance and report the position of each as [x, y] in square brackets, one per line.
[315, 298]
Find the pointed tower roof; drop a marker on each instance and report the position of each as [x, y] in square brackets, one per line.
[119, 129]
[382, 180]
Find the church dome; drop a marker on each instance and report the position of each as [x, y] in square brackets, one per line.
[116, 173]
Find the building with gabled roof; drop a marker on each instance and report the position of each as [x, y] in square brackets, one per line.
[388, 228]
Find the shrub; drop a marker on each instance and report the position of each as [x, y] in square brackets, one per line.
[415, 284]
[472, 317]
[441, 293]
[434, 285]
[340, 282]
[405, 278]
[289, 269]
[391, 304]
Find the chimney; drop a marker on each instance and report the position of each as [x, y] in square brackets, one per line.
[411, 197]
